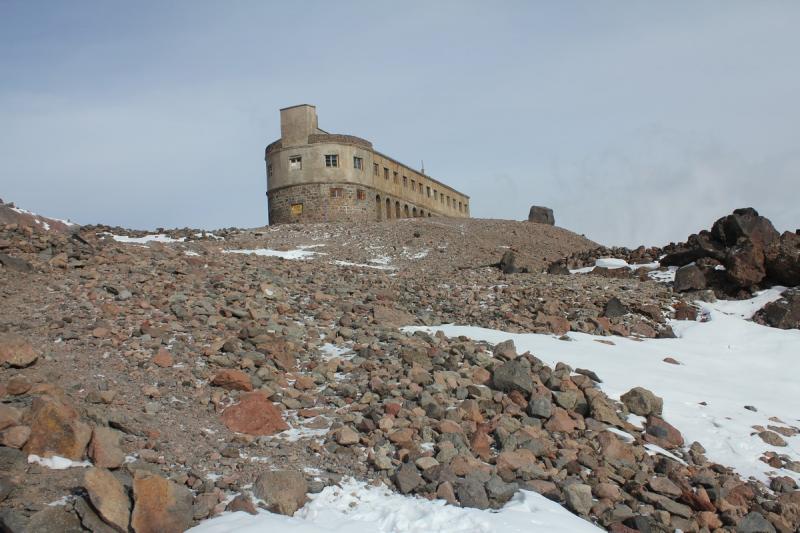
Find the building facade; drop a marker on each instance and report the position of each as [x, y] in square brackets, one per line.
[316, 176]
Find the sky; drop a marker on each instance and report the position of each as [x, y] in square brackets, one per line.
[637, 122]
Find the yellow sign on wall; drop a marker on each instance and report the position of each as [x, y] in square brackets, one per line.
[297, 209]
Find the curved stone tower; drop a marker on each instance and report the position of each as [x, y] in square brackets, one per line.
[316, 176]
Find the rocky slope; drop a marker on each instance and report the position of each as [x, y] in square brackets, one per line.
[194, 379]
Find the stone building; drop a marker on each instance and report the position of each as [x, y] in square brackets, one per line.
[316, 176]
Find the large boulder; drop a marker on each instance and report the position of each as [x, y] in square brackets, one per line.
[783, 313]
[744, 263]
[782, 260]
[747, 223]
[513, 375]
[689, 278]
[108, 497]
[642, 402]
[283, 491]
[742, 252]
[15, 351]
[541, 215]
[56, 429]
[254, 415]
[160, 505]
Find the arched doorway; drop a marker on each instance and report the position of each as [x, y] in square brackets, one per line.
[414, 212]
[388, 209]
[405, 211]
[378, 207]
[422, 212]
[397, 209]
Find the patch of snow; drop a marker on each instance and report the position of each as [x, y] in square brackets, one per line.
[727, 362]
[64, 500]
[746, 308]
[663, 276]
[362, 265]
[298, 253]
[654, 449]
[191, 253]
[157, 237]
[627, 437]
[57, 462]
[355, 507]
[209, 235]
[329, 351]
[613, 262]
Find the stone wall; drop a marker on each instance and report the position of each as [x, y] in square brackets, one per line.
[318, 205]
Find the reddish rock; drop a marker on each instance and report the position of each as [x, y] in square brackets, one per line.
[56, 429]
[395, 318]
[108, 497]
[232, 380]
[661, 433]
[9, 416]
[392, 408]
[614, 450]
[16, 351]
[17, 385]
[558, 325]
[254, 415]
[160, 505]
[481, 443]
[15, 437]
[104, 448]
[518, 459]
[283, 491]
[242, 502]
[560, 421]
[163, 358]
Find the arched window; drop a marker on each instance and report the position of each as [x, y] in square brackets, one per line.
[397, 210]
[388, 209]
[378, 207]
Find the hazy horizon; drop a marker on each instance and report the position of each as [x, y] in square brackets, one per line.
[637, 123]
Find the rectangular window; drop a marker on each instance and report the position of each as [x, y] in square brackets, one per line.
[435, 194]
[459, 206]
[337, 192]
[358, 163]
[297, 210]
[385, 173]
[331, 160]
[295, 162]
[413, 185]
[395, 177]
[405, 182]
[429, 191]
[361, 194]
[269, 171]
[375, 168]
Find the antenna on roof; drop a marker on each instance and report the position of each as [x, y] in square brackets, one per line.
[423, 166]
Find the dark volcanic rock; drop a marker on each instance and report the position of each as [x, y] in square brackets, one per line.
[689, 278]
[782, 260]
[542, 215]
[513, 375]
[783, 313]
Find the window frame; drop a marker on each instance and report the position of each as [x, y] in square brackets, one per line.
[331, 160]
[298, 159]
